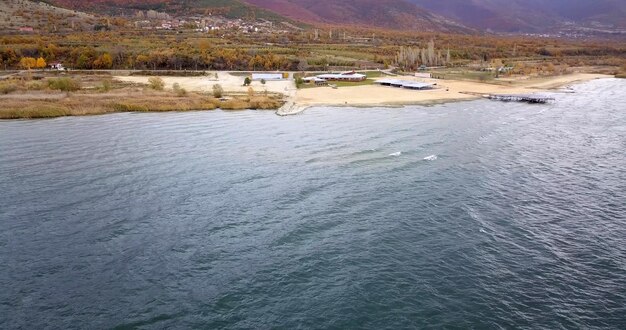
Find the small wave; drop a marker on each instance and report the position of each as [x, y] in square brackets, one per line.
[396, 154]
[431, 157]
[363, 152]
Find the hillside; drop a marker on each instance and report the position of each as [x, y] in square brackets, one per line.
[227, 8]
[530, 15]
[24, 15]
[395, 14]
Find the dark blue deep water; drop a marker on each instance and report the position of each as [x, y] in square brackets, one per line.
[478, 215]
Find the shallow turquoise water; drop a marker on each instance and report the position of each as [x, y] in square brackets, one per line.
[466, 215]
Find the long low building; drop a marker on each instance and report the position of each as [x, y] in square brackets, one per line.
[344, 76]
[268, 76]
[404, 84]
[316, 80]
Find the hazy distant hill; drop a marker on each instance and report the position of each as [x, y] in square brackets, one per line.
[396, 14]
[529, 15]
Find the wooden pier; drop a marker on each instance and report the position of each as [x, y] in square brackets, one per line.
[528, 98]
[521, 98]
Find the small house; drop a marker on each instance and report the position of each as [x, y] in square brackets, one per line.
[57, 66]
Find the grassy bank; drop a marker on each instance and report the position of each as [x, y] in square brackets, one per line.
[79, 96]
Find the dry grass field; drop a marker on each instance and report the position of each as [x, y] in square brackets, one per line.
[87, 95]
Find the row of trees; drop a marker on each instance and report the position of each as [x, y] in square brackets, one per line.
[410, 58]
[236, 51]
[158, 59]
[32, 63]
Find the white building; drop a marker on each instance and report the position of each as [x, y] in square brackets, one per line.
[56, 66]
[267, 76]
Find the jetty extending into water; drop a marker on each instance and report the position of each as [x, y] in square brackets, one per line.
[521, 98]
[527, 98]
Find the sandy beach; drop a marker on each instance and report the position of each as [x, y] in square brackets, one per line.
[445, 91]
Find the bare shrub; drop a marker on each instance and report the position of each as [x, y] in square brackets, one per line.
[156, 83]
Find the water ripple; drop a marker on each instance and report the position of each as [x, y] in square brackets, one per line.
[464, 215]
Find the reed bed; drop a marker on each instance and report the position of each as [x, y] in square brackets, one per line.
[48, 104]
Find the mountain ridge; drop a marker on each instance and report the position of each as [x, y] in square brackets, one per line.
[448, 16]
[394, 14]
[529, 15]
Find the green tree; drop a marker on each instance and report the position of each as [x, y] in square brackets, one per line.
[299, 82]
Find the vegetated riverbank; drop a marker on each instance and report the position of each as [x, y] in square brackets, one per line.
[79, 95]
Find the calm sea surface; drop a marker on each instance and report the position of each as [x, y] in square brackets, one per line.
[478, 215]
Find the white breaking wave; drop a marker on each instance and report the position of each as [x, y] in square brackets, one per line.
[396, 154]
[431, 157]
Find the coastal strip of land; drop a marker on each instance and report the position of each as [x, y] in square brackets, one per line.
[33, 96]
[296, 100]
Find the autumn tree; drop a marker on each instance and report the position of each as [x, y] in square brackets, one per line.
[41, 63]
[28, 63]
[104, 61]
[142, 60]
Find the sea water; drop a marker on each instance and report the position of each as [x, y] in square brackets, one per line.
[464, 215]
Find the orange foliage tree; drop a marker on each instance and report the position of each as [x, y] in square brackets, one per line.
[28, 63]
[41, 63]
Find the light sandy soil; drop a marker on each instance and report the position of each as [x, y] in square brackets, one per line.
[229, 82]
[447, 90]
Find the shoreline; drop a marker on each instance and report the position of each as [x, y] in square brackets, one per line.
[286, 99]
[446, 91]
